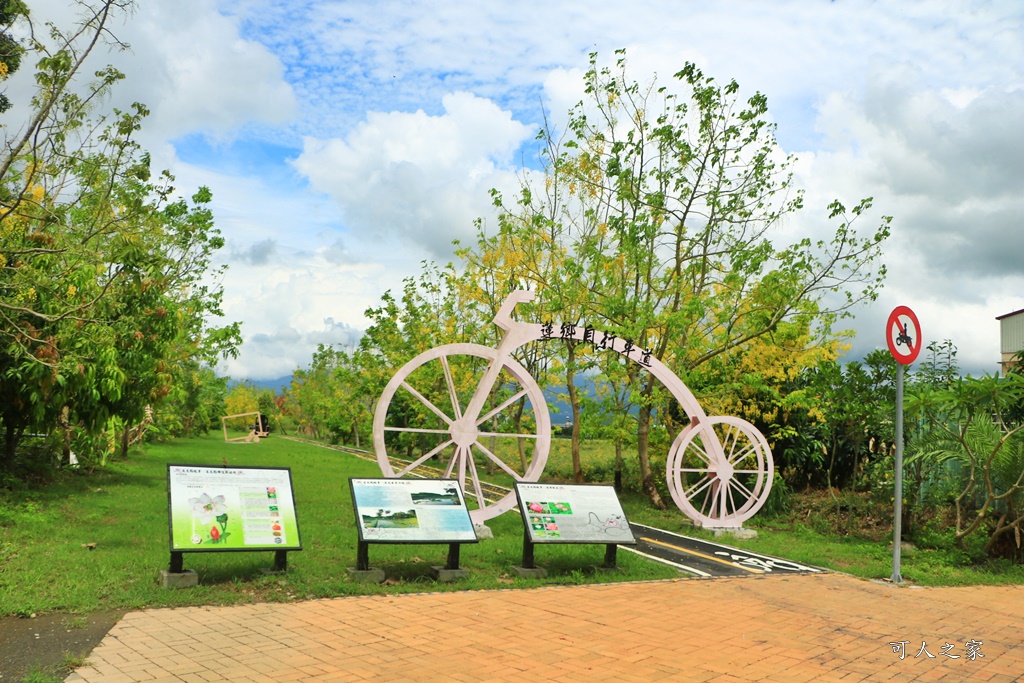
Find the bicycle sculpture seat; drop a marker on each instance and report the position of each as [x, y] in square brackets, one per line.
[457, 409]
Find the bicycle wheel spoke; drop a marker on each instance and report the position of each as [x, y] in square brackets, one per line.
[693, 490]
[481, 502]
[497, 461]
[422, 399]
[743, 454]
[502, 407]
[709, 499]
[416, 430]
[698, 450]
[508, 435]
[739, 484]
[416, 463]
[732, 502]
[451, 464]
[461, 456]
[456, 408]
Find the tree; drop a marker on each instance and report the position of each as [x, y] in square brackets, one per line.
[102, 265]
[969, 442]
[241, 398]
[679, 193]
[836, 416]
[11, 11]
[939, 367]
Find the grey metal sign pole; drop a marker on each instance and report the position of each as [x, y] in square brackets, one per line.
[897, 525]
[903, 335]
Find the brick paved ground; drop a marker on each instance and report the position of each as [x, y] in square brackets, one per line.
[775, 628]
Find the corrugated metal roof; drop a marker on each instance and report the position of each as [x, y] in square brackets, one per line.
[1007, 315]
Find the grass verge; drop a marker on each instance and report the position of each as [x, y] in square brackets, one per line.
[46, 564]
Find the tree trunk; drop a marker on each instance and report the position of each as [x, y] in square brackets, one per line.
[10, 446]
[65, 425]
[618, 465]
[643, 441]
[519, 429]
[124, 440]
[574, 403]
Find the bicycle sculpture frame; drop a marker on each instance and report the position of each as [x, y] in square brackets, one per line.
[719, 469]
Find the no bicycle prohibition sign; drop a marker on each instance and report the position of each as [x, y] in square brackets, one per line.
[903, 333]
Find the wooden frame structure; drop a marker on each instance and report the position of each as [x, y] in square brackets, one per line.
[254, 434]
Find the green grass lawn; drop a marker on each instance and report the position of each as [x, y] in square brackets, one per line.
[866, 555]
[45, 565]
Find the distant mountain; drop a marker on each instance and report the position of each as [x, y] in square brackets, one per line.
[275, 385]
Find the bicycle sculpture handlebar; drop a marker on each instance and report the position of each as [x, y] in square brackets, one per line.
[719, 469]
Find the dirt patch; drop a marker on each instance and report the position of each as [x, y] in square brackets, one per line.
[46, 641]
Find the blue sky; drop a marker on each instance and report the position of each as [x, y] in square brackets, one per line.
[346, 141]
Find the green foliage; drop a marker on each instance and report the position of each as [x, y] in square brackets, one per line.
[103, 306]
[123, 509]
[977, 456]
[11, 51]
[654, 224]
[838, 422]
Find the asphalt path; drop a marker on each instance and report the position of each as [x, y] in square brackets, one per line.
[708, 559]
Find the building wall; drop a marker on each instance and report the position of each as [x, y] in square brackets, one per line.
[1011, 336]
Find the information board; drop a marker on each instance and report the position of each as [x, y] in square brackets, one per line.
[231, 508]
[411, 511]
[573, 513]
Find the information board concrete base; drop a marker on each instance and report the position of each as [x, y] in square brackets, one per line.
[446, 575]
[736, 532]
[185, 579]
[272, 571]
[530, 572]
[366, 575]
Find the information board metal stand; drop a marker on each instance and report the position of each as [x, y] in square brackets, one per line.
[228, 509]
[404, 511]
[564, 513]
[177, 565]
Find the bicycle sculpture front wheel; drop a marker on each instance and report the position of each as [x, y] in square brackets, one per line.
[468, 424]
[720, 471]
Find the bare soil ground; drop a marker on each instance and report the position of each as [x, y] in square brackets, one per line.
[45, 642]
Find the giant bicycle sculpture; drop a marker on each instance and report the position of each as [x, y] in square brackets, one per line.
[719, 469]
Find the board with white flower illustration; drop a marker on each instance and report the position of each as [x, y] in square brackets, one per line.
[231, 508]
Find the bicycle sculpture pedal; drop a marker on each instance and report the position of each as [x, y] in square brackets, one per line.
[719, 469]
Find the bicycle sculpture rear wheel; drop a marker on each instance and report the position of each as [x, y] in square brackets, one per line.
[720, 471]
[463, 429]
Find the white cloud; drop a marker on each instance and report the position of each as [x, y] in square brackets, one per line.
[949, 169]
[406, 114]
[423, 178]
[188, 65]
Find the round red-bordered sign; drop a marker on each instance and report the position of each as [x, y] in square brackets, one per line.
[903, 334]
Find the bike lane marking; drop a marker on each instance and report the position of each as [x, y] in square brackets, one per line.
[740, 559]
[694, 553]
[663, 560]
